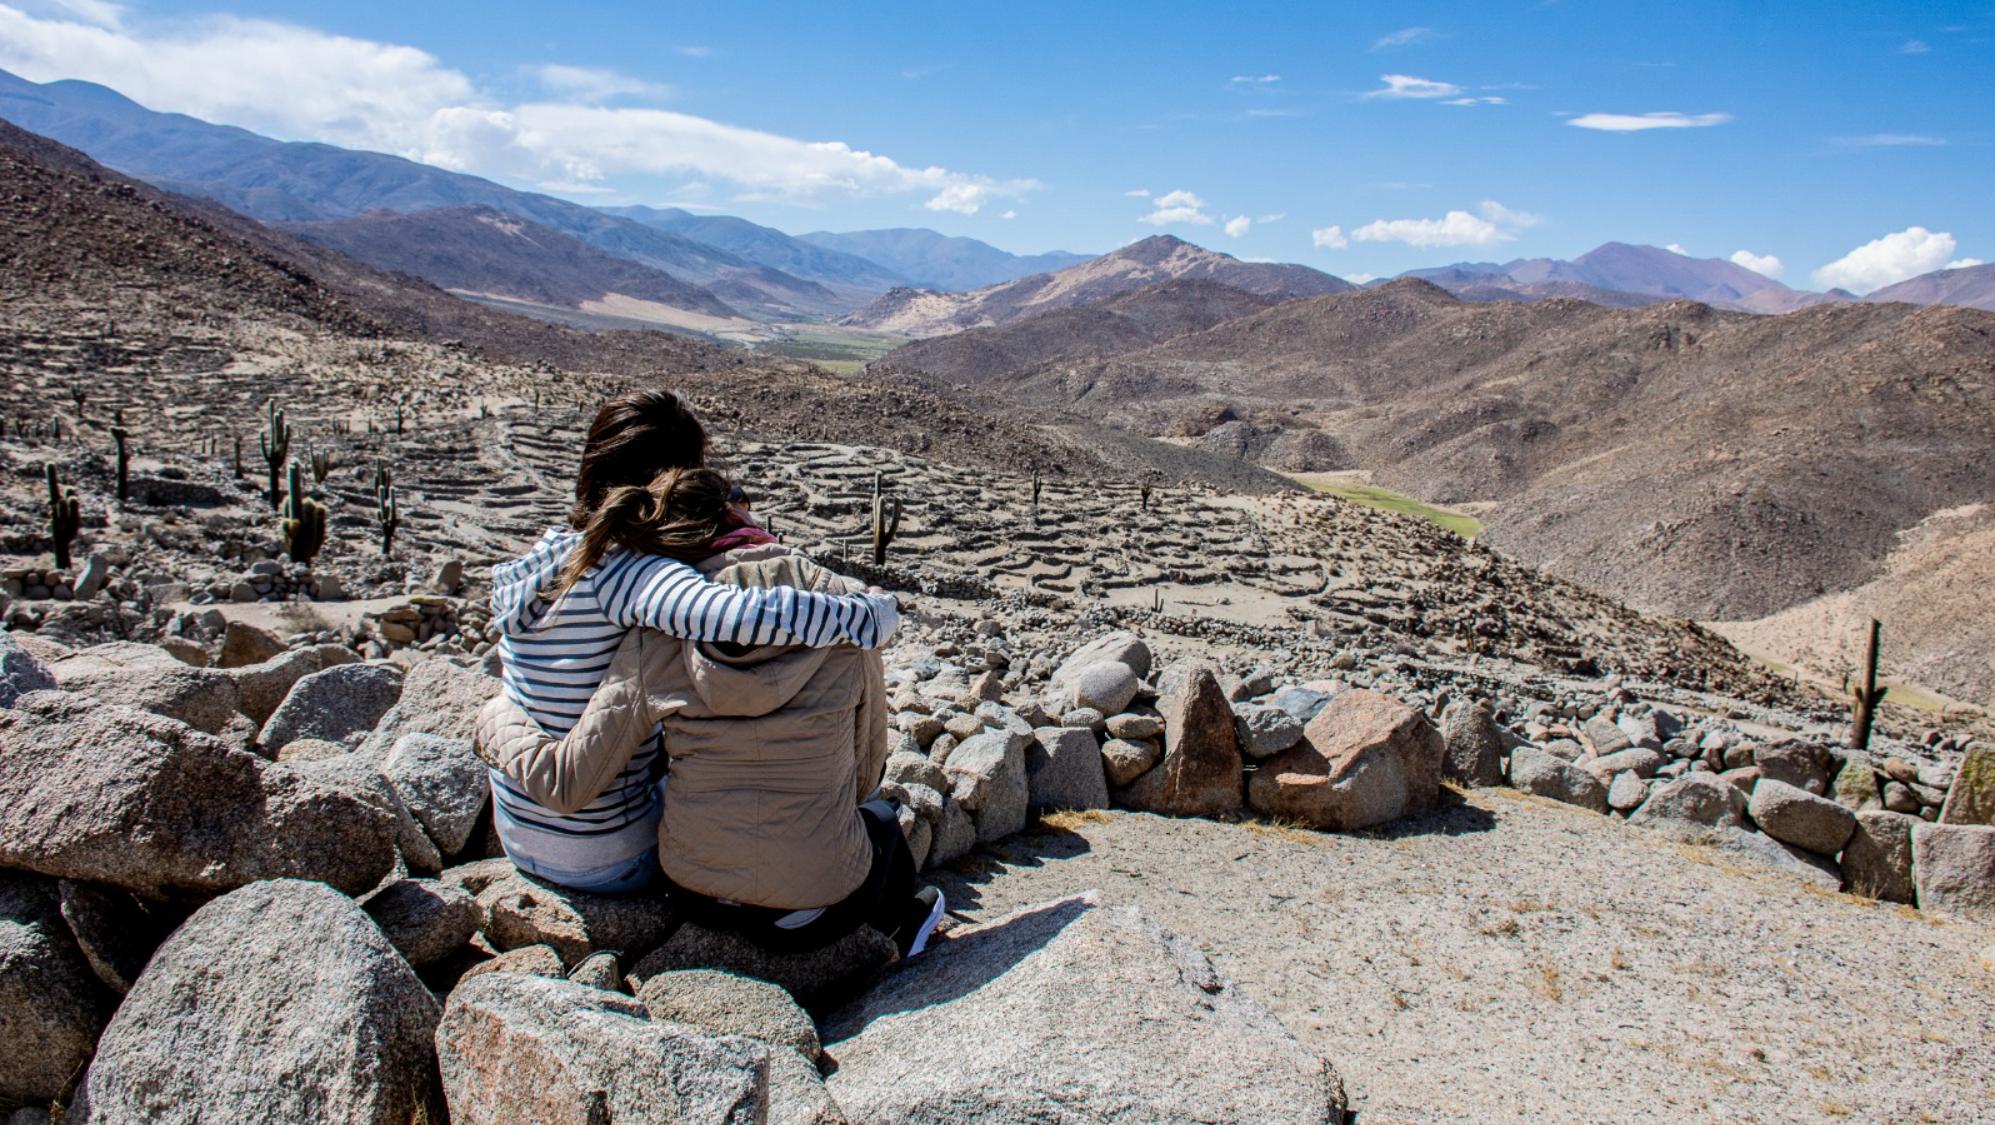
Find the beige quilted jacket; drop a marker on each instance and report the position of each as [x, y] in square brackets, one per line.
[771, 749]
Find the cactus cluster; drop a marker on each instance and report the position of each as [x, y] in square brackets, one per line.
[886, 519]
[304, 521]
[323, 463]
[276, 442]
[65, 517]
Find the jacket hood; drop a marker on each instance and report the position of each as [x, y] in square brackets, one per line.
[518, 586]
[739, 681]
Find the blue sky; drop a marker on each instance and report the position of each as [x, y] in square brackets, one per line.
[1361, 139]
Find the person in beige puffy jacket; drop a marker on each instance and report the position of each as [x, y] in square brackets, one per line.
[773, 751]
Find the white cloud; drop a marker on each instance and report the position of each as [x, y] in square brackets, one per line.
[1178, 207]
[97, 13]
[1640, 122]
[594, 84]
[1272, 217]
[1256, 79]
[388, 97]
[1137, 193]
[963, 199]
[1677, 248]
[1963, 263]
[1328, 238]
[1009, 215]
[1237, 226]
[1407, 86]
[1495, 223]
[1766, 265]
[1359, 278]
[1891, 140]
[1888, 260]
[695, 51]
[1404, 37]
[1483, 100]
[1915, 47]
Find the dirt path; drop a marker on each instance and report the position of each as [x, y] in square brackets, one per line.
[1510, 960]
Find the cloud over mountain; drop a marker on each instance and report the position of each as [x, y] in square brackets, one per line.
[1888, 260]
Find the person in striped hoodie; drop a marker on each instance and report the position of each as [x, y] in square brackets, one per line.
[564, 608]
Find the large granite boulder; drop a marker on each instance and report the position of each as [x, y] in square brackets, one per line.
[987, 777]
[1695, 800]
[516, 1048]
[1070, 1011]
[443, 783]
[51, 1006]
[722, 1003]
[277, 1002]
[264, 686]
[334, 704]
[1877, 860]
[151, 679]
[20, 672]
[1795, 816]
[120, 796]
[424, 919]
[1473, 744]
[1200, 774]
[1365, 759]
[1063, 769]
[1971, 797]
[438, 697]
[520, 911]
[1534, 771]
[1123, 648]
[1954, 866]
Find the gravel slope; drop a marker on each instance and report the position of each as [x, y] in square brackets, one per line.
[1510, 959]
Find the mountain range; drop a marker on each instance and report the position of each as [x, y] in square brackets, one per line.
[1618, 274]
[1970, 286]
[928, 260]
[1162, 257]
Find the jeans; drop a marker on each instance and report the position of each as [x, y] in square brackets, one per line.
[626, 877]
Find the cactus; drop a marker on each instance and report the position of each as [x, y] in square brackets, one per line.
[276, 442]
[1157, 601]
[122, 436]
[886, 520]
[1037, 484]
[1864, 698]
[65, 517]
[390, 516]
[237, 463]
[322, 466]
[1146, 495]
[398, 415]
[304, 521]
[384, 479]
[78, 396]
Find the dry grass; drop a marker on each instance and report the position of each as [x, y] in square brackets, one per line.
[1505, 927]
[1545, 981]
[1294, 831]
[1067, 820]
[1529, 906]
[1617, 959]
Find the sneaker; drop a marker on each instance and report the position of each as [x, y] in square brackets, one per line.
[924, 913]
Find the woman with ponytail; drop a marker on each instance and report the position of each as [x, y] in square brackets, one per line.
[625, 562]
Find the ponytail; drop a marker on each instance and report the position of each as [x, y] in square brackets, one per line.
[678, 514]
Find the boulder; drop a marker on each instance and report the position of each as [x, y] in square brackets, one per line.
[987, 777]
[116, 930]
[1971, 797]
[336, 704]
[1063, 770]
[599, 970]
[264, 686]
[1107, 686]
[1122, 648]
[1124, 761]
[51, 1005]
[1877, 860]
[1133, 726]
[1200, 774]
[1472, 745]
[1639, 760]
[1605, 736]
[1695, 800]
[529, 961]
[1302, 701]
[244, 644]
[1954, 868]
[20, 672]
[1856, 783]
[515, 1048]
[120, 796]
[1071, 1011]
[1534, 771]
[520, 911]
[423, 919]
[1758, 847]
[1804, 765]
[914, 769]
[1265, 731]
[797, 1095]
[151, 679]
[443, 783]
[1795, 816]
[721, 1003]
[1367, 759]
[360, 776]
[1627, 792]
[818, 979]
[955, 834]
[281, 1001]
[438, 697]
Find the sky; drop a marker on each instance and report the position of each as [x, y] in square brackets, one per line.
[1831, 143]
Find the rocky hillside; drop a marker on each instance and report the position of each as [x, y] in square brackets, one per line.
[1120, 324]
[477, 251]
[1969, 286]
[1618, 274]
[1158, 258]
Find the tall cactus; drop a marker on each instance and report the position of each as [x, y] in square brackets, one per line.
[304, 521]
[1864, 698]
[65, 517]
[323, 463]
[886, 519]
[390, 516]
[384, 479]
[276, 442]
[236, 464]
[1037, 484]
[123, 437]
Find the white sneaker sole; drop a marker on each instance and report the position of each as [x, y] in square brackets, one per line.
[928, 926]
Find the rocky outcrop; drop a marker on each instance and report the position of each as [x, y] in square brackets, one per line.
[20, 672]
[1365, 759]
[149, 678]
[438, 697]
[1200, 773]
[1070, 1011]
[1954, 866]
[335, 704]
[818, 979]
[51, 1006]
[277, 1002]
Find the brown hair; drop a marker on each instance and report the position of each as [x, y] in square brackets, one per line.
[641, 485]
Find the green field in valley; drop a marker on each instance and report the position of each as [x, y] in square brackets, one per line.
[845, 351]
[1348, 486]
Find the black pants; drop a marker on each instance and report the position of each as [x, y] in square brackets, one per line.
[880, 902]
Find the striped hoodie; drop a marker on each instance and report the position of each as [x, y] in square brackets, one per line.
[556, 651]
